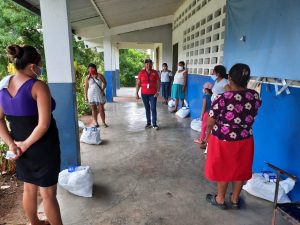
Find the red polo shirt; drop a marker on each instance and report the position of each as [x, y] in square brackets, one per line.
[150, 79]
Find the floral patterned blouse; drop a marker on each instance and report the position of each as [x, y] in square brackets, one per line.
[234, 112]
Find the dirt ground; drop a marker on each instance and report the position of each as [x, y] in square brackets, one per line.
[11, 210]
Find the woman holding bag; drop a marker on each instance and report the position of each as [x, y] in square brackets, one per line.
[95, 85]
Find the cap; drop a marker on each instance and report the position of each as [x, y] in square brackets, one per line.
[148, 61]
[208, 85]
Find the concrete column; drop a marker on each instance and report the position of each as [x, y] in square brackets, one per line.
[117, 56]
[60, 70]
[109, 67]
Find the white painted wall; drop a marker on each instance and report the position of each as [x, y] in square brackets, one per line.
[190, 14]
[156, 36]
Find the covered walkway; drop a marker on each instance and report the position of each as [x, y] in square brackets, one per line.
[151, 177]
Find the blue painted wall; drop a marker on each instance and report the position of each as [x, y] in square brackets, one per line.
[194, 93]
[117, 79]
[111, 91]
[67, 122]
[277, 133]
[276, 130]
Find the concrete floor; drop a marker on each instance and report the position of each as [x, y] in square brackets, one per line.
[148, 177]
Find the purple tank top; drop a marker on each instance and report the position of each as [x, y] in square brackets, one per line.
[22, 104]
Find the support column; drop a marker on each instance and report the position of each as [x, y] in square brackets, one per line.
[109, 67]
[117, 56]
[61, 79]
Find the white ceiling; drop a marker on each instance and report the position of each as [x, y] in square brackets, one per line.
[89, 17]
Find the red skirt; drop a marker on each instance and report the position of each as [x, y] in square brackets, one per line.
[229, 160]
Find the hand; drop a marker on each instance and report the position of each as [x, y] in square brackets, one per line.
[22, 145]
[137, 96]
[15, 149]
[156, 95]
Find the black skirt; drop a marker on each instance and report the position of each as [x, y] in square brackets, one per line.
[40, 164]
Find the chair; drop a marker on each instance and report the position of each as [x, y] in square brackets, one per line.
[284, 213]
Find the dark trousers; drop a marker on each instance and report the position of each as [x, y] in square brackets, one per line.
[150, 103]
[165, 87]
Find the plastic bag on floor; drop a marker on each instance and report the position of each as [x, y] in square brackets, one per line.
[90, 135]
[183, 112]
[79, 182]
[196, 124]
[260, 187]
[171, 103]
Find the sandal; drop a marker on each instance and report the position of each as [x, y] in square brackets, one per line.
[197, 141]
[212, 200]
[234, 205]
[105, 125]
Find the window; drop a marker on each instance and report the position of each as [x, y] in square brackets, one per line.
[197, 34]
[187, 54]
[223, 22]
[218, 13]
[193, 27]
[217, 25]
[202, 31]
[197, 43]
[210, 17]
[207, 50]
[222, 35]
[214, 60]
[196, 52]
[201, 51]
[216, 37]
[215, 49]
[192, 37]
[206, 71]
[203, 21]
[195, 70]
[224, 9]
[191, 53]
[222, 47]
[192, 45]
[209, 29]
[195, 61]
[202, 42]
[200, 70]
[204, 3]
[201, 62]
[198, 25]
[208, 39]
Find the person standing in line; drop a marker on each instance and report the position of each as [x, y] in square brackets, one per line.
[165, 79]
[179, 85]
[219, 76]
[230, 137]
[207, 93]
[94, 88]
[26, 103]
[149, 82]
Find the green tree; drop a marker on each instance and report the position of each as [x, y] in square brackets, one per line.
[131, 62]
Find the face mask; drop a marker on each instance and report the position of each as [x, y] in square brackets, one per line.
[180, 67]
[213, 77]
[92, 71]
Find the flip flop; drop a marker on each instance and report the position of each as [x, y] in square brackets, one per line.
[105, 125]
[234, 205]
[213, 201]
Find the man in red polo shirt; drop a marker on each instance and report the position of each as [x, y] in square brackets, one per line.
[148, 80]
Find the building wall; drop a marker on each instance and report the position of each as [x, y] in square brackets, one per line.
[198, 28]
[277, 139]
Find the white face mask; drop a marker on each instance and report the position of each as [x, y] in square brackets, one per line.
[180, 67]
[214, 77]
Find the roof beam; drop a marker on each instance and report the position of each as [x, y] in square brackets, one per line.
[28, 6]
[99, 12]
[142, 25]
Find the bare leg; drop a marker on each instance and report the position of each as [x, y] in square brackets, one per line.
[30, 203]
[176, 104]
[236, 190]
[222, 188]
[94, 114]
[51, 206]
[102, 114]
[182, 102]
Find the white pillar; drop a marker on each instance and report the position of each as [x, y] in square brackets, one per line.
[117, 59]
[109, 66]
[60, 71]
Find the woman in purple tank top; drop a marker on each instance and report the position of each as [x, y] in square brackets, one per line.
[27, 105]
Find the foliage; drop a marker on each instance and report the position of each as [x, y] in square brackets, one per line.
[131, 62]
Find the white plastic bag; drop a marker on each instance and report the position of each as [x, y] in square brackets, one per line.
[196, 124]
[79, 182]
[171, 103]
[90, 135]
[183, 112]
[260, 187]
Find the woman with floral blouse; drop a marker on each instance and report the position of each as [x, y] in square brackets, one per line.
[231, 144]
